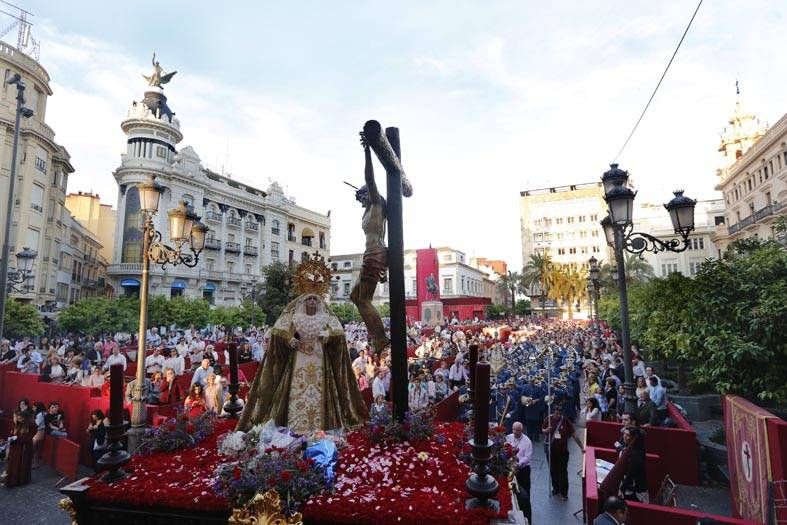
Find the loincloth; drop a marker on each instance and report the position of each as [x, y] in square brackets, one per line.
[375, 265]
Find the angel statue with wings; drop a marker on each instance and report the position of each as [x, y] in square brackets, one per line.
[159, 76]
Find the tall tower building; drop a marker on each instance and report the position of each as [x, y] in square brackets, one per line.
[249, 228]
[743, 131]
[39, 220]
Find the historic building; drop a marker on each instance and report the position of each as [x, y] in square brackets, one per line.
[249, 227]
[346, 270]
[654, 220]
[40, 220]
[82, 269]
[98, 218]
[752, 177]
[563, 222]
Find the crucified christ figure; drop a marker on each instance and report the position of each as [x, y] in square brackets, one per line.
[375, 256]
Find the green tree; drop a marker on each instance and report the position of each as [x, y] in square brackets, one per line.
[278, 290]
[638, 271]
[384, 310]
[568, 284]
[522, 307]
[346, 312]
[738, 313]
[495, 311]
[22, 319]
[511, 284]
[98, 315]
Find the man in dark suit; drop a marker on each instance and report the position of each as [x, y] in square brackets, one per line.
[614, 512]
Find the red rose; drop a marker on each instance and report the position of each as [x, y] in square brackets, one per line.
[286, 476]
[236, 473]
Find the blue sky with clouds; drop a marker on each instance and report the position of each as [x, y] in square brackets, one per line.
[491, 97]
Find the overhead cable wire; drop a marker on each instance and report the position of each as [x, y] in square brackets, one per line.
[634, 129]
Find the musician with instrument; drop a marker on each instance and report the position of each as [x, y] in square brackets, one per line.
[558, 430]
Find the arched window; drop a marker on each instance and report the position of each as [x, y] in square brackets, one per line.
[189, 199]
[275, 227]
[132, 228]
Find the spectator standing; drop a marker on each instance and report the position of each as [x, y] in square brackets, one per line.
[524, 451]
[658, 395]
[154, 362]
[418, 396]
[201, 373]
[97, 431]
[19, 461]
[214, 394]
[170, 389]
[115, 358]
[175, 362]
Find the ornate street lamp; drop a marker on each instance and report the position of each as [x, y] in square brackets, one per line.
[617, 230]
[18, 277]
[185, 229]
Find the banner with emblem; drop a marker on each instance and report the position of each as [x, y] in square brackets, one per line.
[747, 457]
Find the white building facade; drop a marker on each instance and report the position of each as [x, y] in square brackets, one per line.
[752, 178]
[249, 228]
[653, 219]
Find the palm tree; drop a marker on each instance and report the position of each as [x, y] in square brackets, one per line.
[538, 271]
[638, 271]
[510, 282]
[568, 285]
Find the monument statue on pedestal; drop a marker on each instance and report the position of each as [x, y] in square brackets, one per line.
[305, 381]
[158, 77]
[431, 287]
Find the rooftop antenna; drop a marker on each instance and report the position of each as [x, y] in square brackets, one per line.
[24, 40]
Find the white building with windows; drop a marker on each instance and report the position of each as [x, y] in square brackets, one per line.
[458, 278]
[564, 223]
[249, 228]
[346, 270]
[752, 177]
[653, 219]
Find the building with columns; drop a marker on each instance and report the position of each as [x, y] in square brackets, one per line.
[98, 218]
[40, 220]
[752, 177]
[249, 227]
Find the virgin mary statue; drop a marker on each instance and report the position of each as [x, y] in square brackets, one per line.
[305, 381]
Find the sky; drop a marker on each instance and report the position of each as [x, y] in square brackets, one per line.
[491, 97]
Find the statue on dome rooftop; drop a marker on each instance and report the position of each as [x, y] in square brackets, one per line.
[159, 76]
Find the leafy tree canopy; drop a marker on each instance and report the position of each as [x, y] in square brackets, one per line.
[22, 319]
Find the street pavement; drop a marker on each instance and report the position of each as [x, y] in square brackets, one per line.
[36, 502]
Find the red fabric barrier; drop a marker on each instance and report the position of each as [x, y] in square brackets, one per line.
[640, 513]
[73, 400]
[676, 446]
[654, 469]
[10, 367]
[448, 408]
[62, 455]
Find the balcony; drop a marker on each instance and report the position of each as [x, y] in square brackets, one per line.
[291, 237]
[275, 231]
[231, 247]
[250, 250]
[213, 244]
[212, 216]
[233, 221]
[748, 221]
[764, 212]
[252, 226]
[306, 241]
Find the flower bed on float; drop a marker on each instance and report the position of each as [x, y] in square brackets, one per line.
[375, 483]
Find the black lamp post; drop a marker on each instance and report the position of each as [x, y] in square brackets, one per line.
[617, 230]
[594, 283]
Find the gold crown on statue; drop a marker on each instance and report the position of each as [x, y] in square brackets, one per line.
[312, 276]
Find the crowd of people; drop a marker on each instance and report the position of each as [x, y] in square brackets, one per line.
[549, 377]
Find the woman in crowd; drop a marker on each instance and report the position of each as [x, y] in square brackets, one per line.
[211, 355]
[39, 419]
[26, 363]
[611, 395]
[7, 354]
[97, 430]
[195, 403]
[74, 374]
[634, 486]
[214, 394]
[592, 411]
[95, 379]
[19, 462]
[53, 371]
[620, 403]
[592, 384]
[360, 376]
[379, 408]
[24, 405]
[59, 347]
[431, 390]
[170, 389]
[641, 386]
[244, 352]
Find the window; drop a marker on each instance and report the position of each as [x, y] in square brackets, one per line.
[570, 220]
[248, 269]
[448, 285]
[322, 240]
[693, 267]
[561, 251]
[346, 288]
[581, 218]
[275, 229]
[161, 152]
[594, 217]
[37, 198]
[40, 164]
[768, 200]
[62, 293]
[668, 268]
[583, 249]
[572, 250]
[415, 286]
[594, 233]
[765, 171]
[463, 283]
[596, 249]
[275, 250]
[559, 220]
[334, 289]
[583, 234]
[230, 266]
[698, 243]
[347, 264]
[210, 264]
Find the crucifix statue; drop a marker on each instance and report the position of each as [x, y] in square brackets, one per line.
[375, 257]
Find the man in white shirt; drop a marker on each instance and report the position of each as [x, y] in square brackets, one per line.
[153, 338]
[637, 366]
[114, 358]
[524, 451]
[175, 362]
[258, 349]
[154, 362]
[201, 374]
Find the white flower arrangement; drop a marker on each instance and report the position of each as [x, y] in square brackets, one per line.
[232, 444]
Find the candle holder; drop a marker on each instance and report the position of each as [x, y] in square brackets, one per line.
[481, 484]
[116, 456]
[232, 407]
[473, 360]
